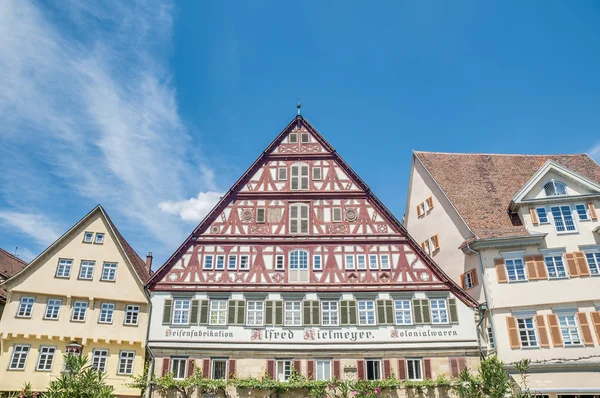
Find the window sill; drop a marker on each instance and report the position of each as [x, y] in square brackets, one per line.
[519, 281]
[131, 324]
[531, 348]
[62, 277]
[567, 233]
[50, 319]
[23, 317]
[86, 279]
[551, 278]
[108, 280]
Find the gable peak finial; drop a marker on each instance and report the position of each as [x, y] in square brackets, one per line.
[298, 105]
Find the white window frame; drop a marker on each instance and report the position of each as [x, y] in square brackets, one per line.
[86, 270]
[371, 258]
[132, 314]
[63, 269]
[220, 262]
[208, 264]
[218, 312]
[255, 313]
[366, 313]
[45, 358]
[109, 272]
[25, 307]
[384, 264]
[400, 311]
[339, 212]
[379, 369]
[586, 212]
[469, 279]
[107, 313]
[361, 262]
[178, 365]
[182, 309]
[283, 366]
[298, 266]
[79, 307]
[213, 368]
[332, 309]
[569, 330]
[593, 260]
[302, 136]
[292, 313]
[440, 310]
[518, 277]
[230, 265]
[563, 219]
[555, 184]
[100, 359]
[88, 237]
[295, 140]
[349, 264]
[244, 262]
[529, 332]
[416, 366]
[126, 360]
[323, 366]
[555, 263]
[317, 262]
[298, 208]
[53, 309]
[280, 176]
[423, 208]
[99, 239]
[18, 358]
[280, 262]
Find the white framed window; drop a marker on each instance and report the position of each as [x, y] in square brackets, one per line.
[63, 270]
[298, 271]
[52, 308]
[279, 262]
[107, 311]
[469, 279]
[527, 333]
[86, 270]
[45, 359]
[126, 359]
[299, 218]
[283, 369]
[19, 357]
[218, 312]
[563, 219]
[426, 246]
[361, 261]
[439, 311]
[349, 261]
[79, 311]
[132, 314]
[317, 173]
[293, 138]
[414, 368]
[220, 262]
[208, 261]
[219, 369]
[232, 263]
[385, 261]
[569, 330]
[293, 313]
[181, 311]
[299, 177]
[373, 261]
[99, 238]
[593, 260]
[422, 208]
[317, 265]
[88, 237]
[99, 358]
[555, 188]
[178, 367]
[329, 313]
[582, 212]
[304, 138]
[255, 313]
[282, 174]
[109, 272]
[515, 269]
[403, 312]
[323, 371]
[373, 371]
[555, 266]
[244, 262]
[336, 214]
[25, 307]
[542, 215]
[260, 215]
[366, 312]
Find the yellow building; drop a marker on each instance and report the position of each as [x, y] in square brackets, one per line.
[83, 294]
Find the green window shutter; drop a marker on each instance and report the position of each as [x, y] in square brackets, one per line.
[418, 312]
[380, 306]
[426, 312]
[278, 313]
[453, 310]
[352, 312]
[194, 312]
[167, 312]
[231, 309]
[241, 312]
[344, 313]
[269, 313]
[204, 312]
[306, 311]
[316, 313]
[389, 312]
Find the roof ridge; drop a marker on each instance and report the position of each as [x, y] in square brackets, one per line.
[501, 154]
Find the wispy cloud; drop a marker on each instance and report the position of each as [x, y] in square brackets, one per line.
[88, 109]
[39, 227]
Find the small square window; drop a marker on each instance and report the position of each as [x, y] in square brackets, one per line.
[282, 174]
[63, 270]
[244, 262]
[373, 261]
[366, 312]
[515, 269]
[385, 261]
[349, 262]
[317, 266]
[218, 312]
[555, 266]
[279, 262]
[45, 359]
[403, 312]
[99, 358]
[53, 308]
[107, 311]
[79, 311]
[208, 261]
[305, 137]
[220, 262]
[25, 307]
[260, 215]
[336, 214]
[109, 272]
[19, 357]
[293, 139]
[361, 261]
[527, 332]
[317, 173]
[232, 263]
[439, 311]
[88, 237]
[126, 359]
[255, 313]
[99, 238]
[86, 270]
[132, 314]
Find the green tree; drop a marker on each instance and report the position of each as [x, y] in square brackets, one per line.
[80, 380]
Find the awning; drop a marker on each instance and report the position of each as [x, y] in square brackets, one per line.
[563, 382]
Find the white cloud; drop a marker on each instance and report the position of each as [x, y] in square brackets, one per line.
[594, 152]
[37, 226]
[193, 209]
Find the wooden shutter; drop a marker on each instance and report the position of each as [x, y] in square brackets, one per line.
[316, 313]
[360, 369]
[260, 215]
[241, 312]
[542, 331]
[344, 313]
[423, 245]
[453, 310]
[337, 373]
[557, 340]
[592, 210]
[232, 312]
[534, 216]
[298, 366]
[191, 364]
[231, 366]
[402, 369]
[206, 368]
[540, 266]
[204, 312]
[596, 322]
[425, 311]
[352, 314]
[167, 312]
[385, 313]
[501, 270]
[582, 265]
[572, 264]
[436, 242]
[419, 212]
[311, 313]
[387, 370]
[430, 202]
[513, 332]
[269, 318]
[418, 312]
[310, 369]
[462, 281]
[454, 372]
[531, 268]
[194, 312]
[586, 332]
[462, 364]
[271, 369]
[279, 313]
[166, 363]
[427, 368]
[474, 277]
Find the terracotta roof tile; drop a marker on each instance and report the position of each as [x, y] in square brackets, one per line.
[9, 265]
[481, 186]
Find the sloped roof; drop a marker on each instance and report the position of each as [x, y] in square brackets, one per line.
[9, 265]
[481, 186]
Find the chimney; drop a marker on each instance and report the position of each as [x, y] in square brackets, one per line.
[149, 261]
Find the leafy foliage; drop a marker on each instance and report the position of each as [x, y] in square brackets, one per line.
[80, 380]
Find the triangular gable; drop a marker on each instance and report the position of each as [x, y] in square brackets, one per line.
[550, 169]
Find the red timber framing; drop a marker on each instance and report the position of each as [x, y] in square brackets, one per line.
[352, 241]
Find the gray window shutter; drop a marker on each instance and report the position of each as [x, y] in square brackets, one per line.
[278, 313]
[453, 310]
[204, 312]
[389, 312]
[344, 312]
[316, 313]
[167, 312]
[418, 312]
[306, 310]
[241, 312]
[231, 308]
[425, 310]
[194, 312]
[352, 312]
[269, 313]
[380, 306]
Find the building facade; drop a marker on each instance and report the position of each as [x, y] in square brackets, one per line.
[9, 265]
[521, 234]
[300, 266]
[85, 295]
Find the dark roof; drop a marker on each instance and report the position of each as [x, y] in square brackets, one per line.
[481, 186]
[9, 265]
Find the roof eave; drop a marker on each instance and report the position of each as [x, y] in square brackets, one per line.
[504, 241]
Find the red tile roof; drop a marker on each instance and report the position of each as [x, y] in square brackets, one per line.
[481, 186]
[9, 265]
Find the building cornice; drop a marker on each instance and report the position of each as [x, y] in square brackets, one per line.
[509, 241]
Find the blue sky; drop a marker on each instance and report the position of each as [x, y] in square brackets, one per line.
[154, 108]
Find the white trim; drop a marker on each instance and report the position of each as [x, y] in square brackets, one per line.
[557, 251]
[512, 255]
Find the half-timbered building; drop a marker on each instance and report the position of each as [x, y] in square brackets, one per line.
[301, 266]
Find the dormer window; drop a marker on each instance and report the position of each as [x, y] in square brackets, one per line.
[555, 188]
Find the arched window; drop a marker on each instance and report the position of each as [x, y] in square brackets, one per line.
[298, 271]
[554, 188]
[299, 179]
[299, 218]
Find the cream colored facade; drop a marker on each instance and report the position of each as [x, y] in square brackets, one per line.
[49, 324]
[565, 360]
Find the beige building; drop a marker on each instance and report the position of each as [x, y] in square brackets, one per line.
[521, 234]
[83, 294]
